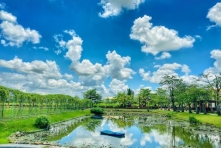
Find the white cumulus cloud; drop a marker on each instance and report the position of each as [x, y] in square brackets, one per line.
[145, 76]
[165, 69]
[5, 16]
[157, 39]
[48, 69]
[164, 55]
[215, 54]
[116, 66]
[214, 14]
[115, 7]
[14, 34]
[118, 86]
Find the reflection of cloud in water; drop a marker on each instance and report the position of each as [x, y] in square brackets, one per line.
[103, 122]
[86, 137]
[146, 137]
[215, 139]
[164, 140]
[114, 127]
[127, 141]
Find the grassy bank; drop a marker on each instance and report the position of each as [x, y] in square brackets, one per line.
[11, 126]
[212, 119]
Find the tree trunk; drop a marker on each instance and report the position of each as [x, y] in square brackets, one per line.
[190, 111]
[201, 108]
[173, 105]
[218, 110]
[195, 105]
[204, 108]
[3, 104]
[182, 108]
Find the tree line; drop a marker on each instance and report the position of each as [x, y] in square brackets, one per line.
[15, 103]
[202, 95]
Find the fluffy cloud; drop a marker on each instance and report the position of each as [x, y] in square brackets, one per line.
[93, 74]
[116, 66]
[215, 54]
[144, 75]
[38, 77]
[115, 7]
[164, 55]
[5, 16]
[117, 86]
[158, 38]
[68, 76]
[48, 69]
[14, 34]
[74, 47]
[214, 14]
[166, 69]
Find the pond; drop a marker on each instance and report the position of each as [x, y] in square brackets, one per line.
[148, 132]
[144, 131]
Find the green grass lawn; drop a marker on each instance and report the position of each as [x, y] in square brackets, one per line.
[10, 126]
[208, 118]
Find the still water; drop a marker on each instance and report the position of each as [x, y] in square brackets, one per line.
[148, 132]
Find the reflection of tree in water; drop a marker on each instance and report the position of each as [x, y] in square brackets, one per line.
[123, 121]
[91, 126]
[188, 138]
[62, 133]
[145, 129]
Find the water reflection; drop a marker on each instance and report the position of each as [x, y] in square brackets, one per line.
[141, 132]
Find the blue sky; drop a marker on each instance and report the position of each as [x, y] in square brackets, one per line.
[66, 46]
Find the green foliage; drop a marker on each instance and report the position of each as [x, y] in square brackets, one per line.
[97, 111]
[144, 97]
[169, 115]
[92, 95]
[193, 120]
[42, 122]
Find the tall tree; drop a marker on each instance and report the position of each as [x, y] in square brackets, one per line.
[144, 96]
[161, 97]
[3, 97]
[130, 97]
[214, 81]
[92, 95]
[170, 82]
[121, 99]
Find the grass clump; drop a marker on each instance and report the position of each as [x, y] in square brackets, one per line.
[42, 122]
[169, 115]
[97, 111]
[193, 120]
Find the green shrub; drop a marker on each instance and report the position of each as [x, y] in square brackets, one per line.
[97, 111]
[169, 115]
[193, 120]
[42, 122]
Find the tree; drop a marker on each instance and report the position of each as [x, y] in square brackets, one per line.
[130, 97]
[144, 95]
[121, 99]
[161, 97]
[214, 81]
[92, 95]
[3, 97]
[170, 82]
